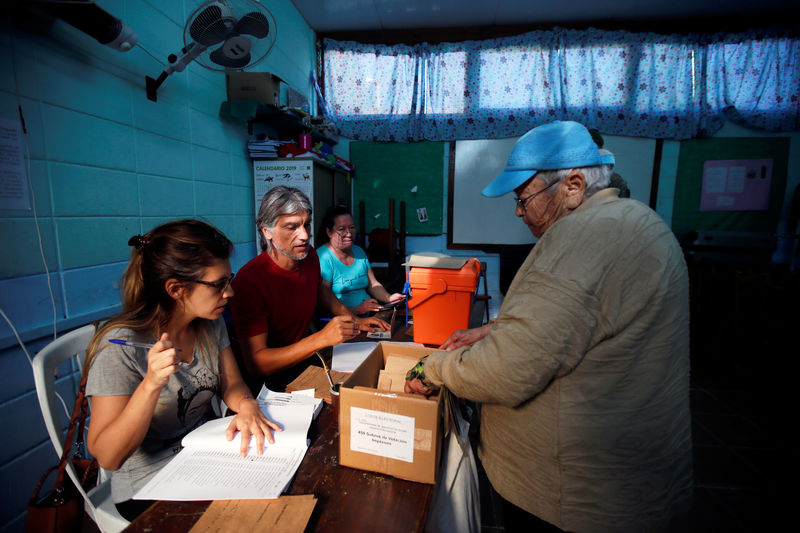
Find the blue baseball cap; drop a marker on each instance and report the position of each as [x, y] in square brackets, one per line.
[547, 147]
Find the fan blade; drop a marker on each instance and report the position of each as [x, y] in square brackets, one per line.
[221, 59]
[208, 28]
[254, 24]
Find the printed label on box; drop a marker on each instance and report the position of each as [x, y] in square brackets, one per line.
[383, 434]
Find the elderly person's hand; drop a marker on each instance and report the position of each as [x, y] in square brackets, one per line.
[416, 382]
[466, 337]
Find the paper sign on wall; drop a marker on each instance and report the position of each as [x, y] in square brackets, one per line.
[383, 434]
[736, 185]
[13, 186]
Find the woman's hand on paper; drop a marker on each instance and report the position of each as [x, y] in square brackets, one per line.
[367, 306]
[162, 362]
[251, 422]
[465, 337]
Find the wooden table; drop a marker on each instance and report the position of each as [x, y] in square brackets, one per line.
[347, 499]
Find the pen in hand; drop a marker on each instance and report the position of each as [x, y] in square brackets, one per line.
[142, 345]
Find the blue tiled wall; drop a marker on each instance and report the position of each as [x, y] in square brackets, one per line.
[106, 163]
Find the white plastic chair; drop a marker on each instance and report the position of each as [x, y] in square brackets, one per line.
[97, 501]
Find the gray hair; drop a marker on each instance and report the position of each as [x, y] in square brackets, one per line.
[279, 201]
[597, 177]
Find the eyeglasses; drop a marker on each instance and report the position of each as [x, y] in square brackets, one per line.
[220, 285]
[344, 231]
[522, 201]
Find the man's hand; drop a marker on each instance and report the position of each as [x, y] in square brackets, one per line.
[341, 328]
[465, 337]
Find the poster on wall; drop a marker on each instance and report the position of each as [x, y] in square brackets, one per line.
[269, 174]
[13, 185]
[736, 185]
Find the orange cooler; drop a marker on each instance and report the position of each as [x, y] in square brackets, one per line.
[442, 296]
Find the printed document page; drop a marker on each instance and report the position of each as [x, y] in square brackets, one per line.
[199, 474]
[271, 400]
[210, 467]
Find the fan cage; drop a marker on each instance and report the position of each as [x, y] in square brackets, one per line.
[239, 9]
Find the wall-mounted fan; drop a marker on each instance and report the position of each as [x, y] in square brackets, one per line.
[222, 35]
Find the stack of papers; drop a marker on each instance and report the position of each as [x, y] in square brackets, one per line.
[268, 399]
[210, 467]
[266, 148]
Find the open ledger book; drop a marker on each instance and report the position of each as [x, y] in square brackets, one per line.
[210, 468]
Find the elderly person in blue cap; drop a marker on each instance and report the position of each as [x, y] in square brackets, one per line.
[584, 375]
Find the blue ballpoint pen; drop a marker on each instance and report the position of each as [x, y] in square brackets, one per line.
[142, 345]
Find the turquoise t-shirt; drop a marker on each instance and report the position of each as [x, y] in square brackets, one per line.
[348, 283]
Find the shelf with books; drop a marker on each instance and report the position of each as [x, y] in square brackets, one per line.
[287, 123]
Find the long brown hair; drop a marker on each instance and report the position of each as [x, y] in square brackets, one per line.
[180, 250]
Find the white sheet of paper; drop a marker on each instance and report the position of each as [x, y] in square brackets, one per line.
[715, 179]
[210, 467]
[211, 435]
[306, 397]
[347, 356]
[736, 179]
[13, 182]
[197, 474]
[384, 434]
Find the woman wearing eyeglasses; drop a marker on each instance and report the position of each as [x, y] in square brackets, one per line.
[345, 267]
[144, 401]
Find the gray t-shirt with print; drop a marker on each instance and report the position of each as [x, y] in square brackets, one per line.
[184, 403]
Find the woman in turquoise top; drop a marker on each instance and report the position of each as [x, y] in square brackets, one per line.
[345, 267]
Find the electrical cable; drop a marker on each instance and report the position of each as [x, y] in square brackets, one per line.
[146, 51]
[30, 359]
[35, 217]
[30, 187]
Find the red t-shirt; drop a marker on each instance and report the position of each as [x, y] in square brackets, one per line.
[281, 303]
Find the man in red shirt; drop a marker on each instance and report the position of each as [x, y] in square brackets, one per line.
[277, 292]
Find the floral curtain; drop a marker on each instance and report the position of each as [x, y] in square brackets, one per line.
[636, 84]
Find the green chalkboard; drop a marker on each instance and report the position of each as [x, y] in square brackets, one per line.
[392, 170]
[686, 214]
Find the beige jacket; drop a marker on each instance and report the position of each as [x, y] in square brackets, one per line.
[584, 377]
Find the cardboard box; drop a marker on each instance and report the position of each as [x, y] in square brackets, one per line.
[389, 432]
[261, 87]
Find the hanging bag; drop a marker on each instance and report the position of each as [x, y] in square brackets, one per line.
[62, 509]
[456, 498]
